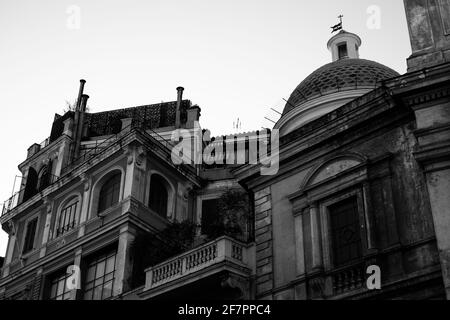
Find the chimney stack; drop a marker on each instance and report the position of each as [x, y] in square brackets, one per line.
[80, 123]
[178, 112]
[84, 98]
[80, 93]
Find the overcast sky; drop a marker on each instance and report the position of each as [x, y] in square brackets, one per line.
[235, 58]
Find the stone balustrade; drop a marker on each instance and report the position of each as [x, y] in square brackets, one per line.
[215, 252]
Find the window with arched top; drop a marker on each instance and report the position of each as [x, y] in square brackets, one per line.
[109, 193]
[67, 218]
[44, 177]
[31, 184]
[159, 195]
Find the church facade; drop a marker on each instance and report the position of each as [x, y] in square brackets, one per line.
[362, 191]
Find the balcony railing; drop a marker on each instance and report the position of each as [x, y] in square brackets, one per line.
[18, 197]
[349, 278]
[12, 202]
[221, 250]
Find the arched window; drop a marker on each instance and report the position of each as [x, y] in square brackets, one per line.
[159, 195]
[31, 185]
[43, 180]
[44, 177]
[109, 193]
[67, 216]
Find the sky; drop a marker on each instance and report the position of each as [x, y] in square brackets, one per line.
[235, 58]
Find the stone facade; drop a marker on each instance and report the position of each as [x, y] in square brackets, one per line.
[363, 182]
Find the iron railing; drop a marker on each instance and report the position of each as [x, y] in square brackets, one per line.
[19, 197]
[99, 148]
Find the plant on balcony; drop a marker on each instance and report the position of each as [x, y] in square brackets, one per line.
[232, 216]
[149, 249]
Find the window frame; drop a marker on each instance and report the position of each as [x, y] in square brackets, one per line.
[352, 179]
[98, 184]
[326, 228]
[171, 199]
[61, 275]
[155, 207]
[115, 187]
[70, 200]
[25, 231]
[342, 45]
[199, 211]
[100, 256]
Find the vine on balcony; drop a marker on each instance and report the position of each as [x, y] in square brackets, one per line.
[149, 249]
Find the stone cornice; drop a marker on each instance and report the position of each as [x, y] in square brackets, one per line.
[421, 86]
[362, 117]
[53, 147]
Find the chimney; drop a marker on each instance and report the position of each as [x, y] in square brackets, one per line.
[178, 112]
[80, 93]
[80, 124]
[193, 115]
[84, 98]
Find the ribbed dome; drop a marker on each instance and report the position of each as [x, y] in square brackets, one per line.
[341, 75]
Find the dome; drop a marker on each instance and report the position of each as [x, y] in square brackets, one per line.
[338, 76]
[335, 84]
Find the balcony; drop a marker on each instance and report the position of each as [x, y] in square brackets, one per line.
[21, 196]
[221, 256]
[349, 279]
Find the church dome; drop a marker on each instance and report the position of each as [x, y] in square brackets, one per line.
[337, 76]
[333, 85]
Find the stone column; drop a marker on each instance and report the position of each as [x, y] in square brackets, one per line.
[301, 287]
[135, 173]
[46, 235]
[84, 211]
[77, 268]
[299, 244]
[433, 153]
[368, 217]
[438, 183]
[124, 261]
[10, 249]
[316, 240]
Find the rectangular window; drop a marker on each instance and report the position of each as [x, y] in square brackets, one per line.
[345, 231]
[59, 290]
[30, 234]
[99, 281]
[210, 216]
[343, 53]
